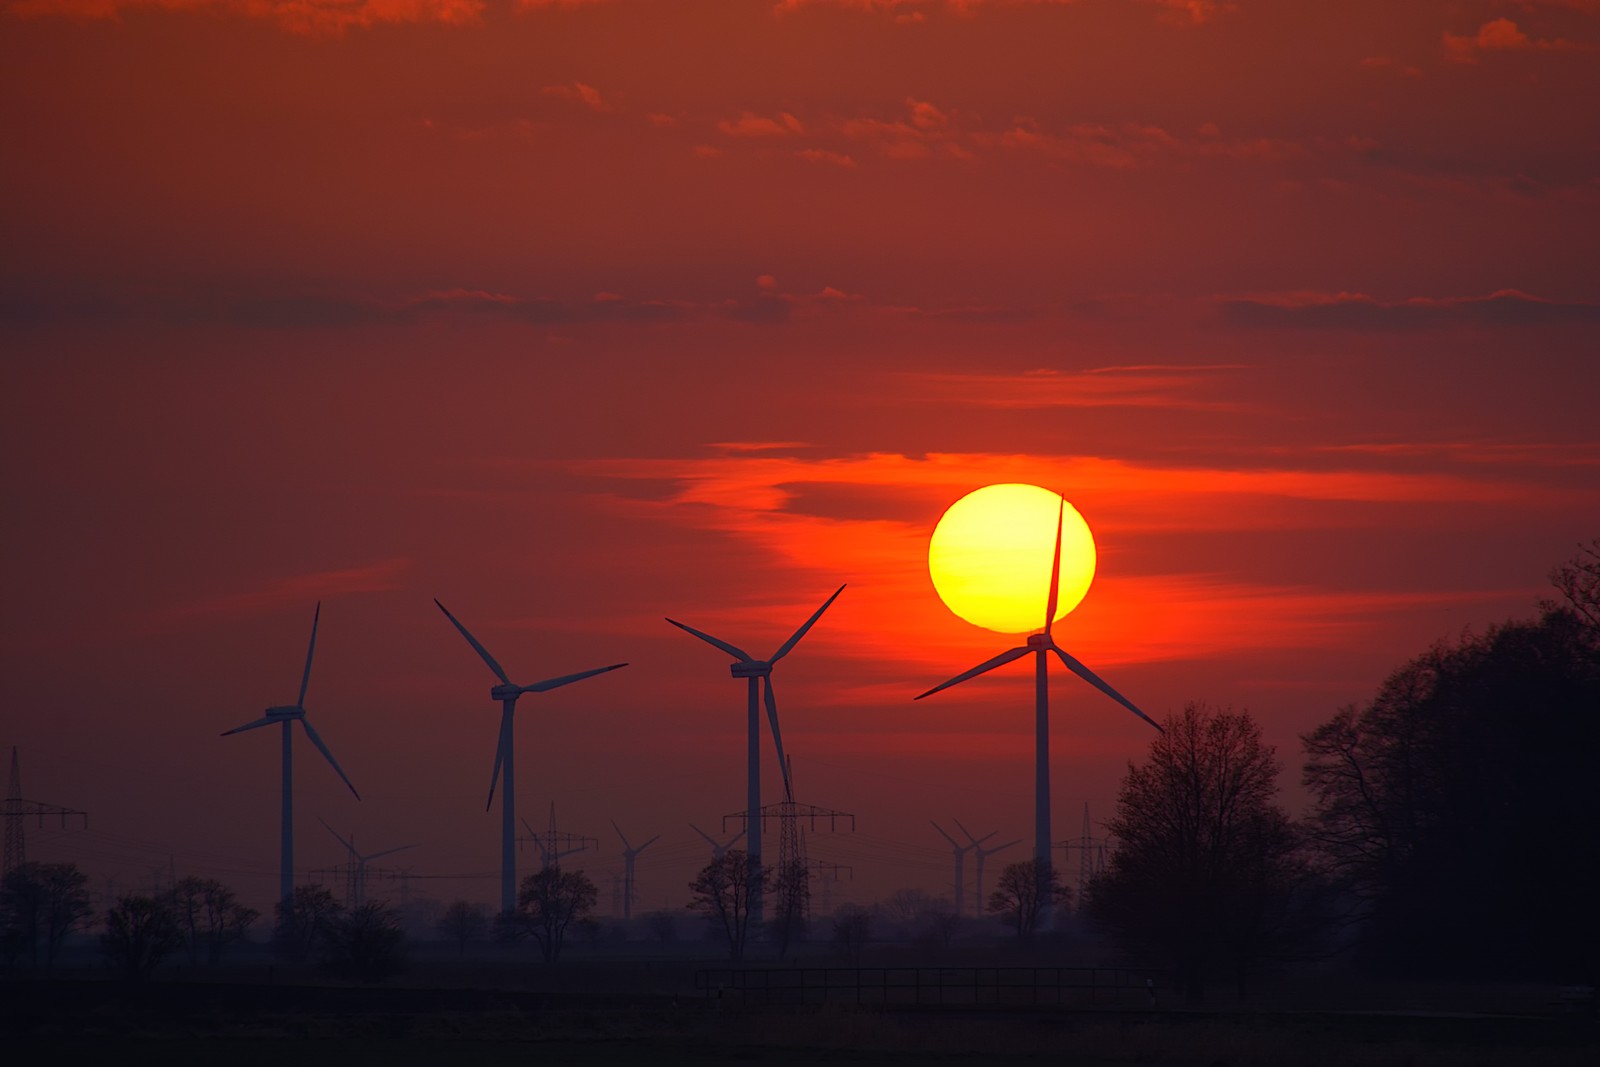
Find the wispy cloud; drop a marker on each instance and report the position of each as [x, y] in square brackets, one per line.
[1359, 311]
[1153, 386]
[309, 18]
[378, 577]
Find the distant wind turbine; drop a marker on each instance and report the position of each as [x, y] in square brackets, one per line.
[718, 848]
[358, 874]
[288, 715]
[758, 673]
[505, 755]
[1042, 644]
[960, 878]
[980, 854]
[629, 854]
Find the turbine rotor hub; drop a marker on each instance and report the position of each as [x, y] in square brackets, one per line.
[506, 692]
[1040, 642]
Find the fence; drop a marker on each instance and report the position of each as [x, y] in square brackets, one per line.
[908, 986]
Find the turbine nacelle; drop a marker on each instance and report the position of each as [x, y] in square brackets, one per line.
[753, 668]
[1041, 642]
[507, 692]
[285, 712]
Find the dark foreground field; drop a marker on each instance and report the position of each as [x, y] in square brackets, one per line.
[238, 1024]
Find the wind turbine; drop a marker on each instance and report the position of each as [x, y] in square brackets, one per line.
[1041, 645]
[981, 854]
[758, 674]
[629, 854]
[507, 693]
[960, 852]
[718, 848]
[288, 715]
[358, 875]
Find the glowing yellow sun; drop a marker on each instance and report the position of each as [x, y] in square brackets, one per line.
[991, 552]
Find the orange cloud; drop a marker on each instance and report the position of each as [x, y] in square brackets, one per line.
[1499, 35]
[749, 124]
[822, 155]
[1143, 386]
[309, 18]
[587, 95]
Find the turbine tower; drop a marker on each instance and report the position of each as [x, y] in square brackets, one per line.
[980, 854]
[717, 847]
[356, 887]
[758, 675]
[505, 755]
[629, 854]
[287, 716]
[960, 851]
[1041, 645]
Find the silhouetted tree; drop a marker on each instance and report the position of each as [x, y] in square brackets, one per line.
[40, 904]
[722, 892]
[304, 921]
[464, 922]
[1461, 799]
[210, 916]
[1578, 580]
[364, 944]
[852, 929]
[791, 895]
[922, 915]
[139, 934]
[1207, 871]
[663, 924]
[552, 899]
[1023, 893]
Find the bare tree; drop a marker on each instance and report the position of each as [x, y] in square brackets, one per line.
[304, 921]
[550, 901]
[1023, 893]
[210, 916]
[1207, 868]
[464, 922]
[40, 904]
[791, 895]
[139, 934]
[722, 892]
[365, 944]
[852, 929]
[1578, 580]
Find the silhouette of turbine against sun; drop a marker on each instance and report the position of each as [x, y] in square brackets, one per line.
[1009, 518]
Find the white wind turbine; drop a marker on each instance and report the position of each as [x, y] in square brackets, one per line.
[758, 674]
[287, 715]
[1041, 645]
[505, 755]
[358, 874]
[629, 854]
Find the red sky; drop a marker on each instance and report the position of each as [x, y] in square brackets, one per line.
[580, 314]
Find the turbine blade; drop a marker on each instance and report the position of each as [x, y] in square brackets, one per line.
[349, 845]
[709, 839]
[735, 837]
[777, 736]
[386, 852]
[305, 679]
[944, 835]
[531, 831]
[987, 665]
[733, 650]
[250, 726]
[794, 639]
[964, 830]
[647, 844]
[311, 732]
[997, 848]
[499, 756]
[1094, 679]
[1055, 571]
[625, 846]
[567, 679]
[499, 672]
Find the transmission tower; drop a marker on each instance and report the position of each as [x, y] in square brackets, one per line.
[16, 810]
[791, 836]
[555, 845]
[1091, 853]
[827, 875]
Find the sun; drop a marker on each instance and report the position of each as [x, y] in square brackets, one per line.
[991, 552]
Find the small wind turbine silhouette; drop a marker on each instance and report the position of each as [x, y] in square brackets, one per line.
[960, 851]
[718, 848]
[507, 693]
[980, 854]
[758, 673]
[629, 854]
[288, 715]
[1042, 644]
[358, 875]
